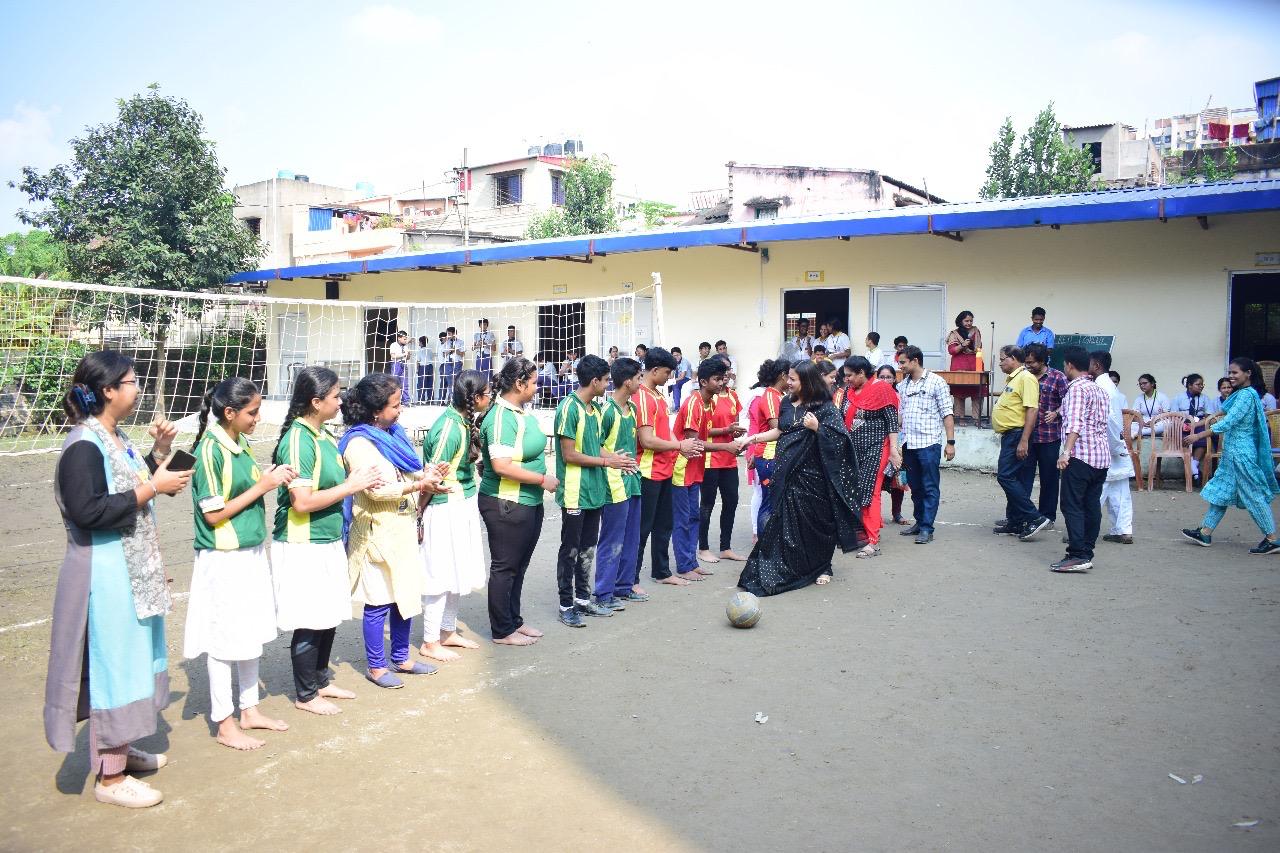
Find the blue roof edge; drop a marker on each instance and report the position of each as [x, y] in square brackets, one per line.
[1129, 205]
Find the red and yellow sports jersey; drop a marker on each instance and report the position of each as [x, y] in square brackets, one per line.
[725, 411]
[696, 416]
[763, 409]
[651, 411]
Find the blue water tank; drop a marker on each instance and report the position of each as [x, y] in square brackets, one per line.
[573, 147]
[552, 149]
[534, 150]
[284, 175]
[365, 187]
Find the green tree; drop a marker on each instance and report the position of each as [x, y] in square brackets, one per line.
[34, 254]
[654, 211]
[142, 204]
[588, 203]
[1045, 163]
[1000, 168]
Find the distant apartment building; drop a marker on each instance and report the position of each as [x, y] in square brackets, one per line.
[1121, 158]
[781, 192]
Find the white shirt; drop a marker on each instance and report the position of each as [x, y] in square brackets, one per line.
[1121, 464]
[876, 357]
[483, 343]
[425, 354]
[805, 344]
[511, 348]
[399, 352]
[452, 354]
[1149, 407]
[838, 342]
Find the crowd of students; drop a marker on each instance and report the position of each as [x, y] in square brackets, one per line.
[368, 518]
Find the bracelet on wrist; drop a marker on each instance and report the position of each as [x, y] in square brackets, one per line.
[155, 493]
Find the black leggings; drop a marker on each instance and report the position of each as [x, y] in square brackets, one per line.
[310, 651]
[724, 481]
[513, 530]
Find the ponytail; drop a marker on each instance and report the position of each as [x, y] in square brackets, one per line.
[206, 405]
[310, 383]
[234, 393]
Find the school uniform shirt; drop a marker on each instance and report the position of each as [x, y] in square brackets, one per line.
[486, 341]
[580, 487]
[619, 436]
[769, 406]
[684, 370]
[314, 455]
[651, 411]
[838, 342]
[511, 348]
[225, 468]
[725, 411]
[1021, 392]
[1196, 407]
[451, 349]
[1149, 407]
[805, 344]
[875, 356]
[399, 353]
[1268, 403]
[426, 354]
[509, 432]
[693, 415]
[449, 440]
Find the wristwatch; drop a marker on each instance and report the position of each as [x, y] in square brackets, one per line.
[951, 441]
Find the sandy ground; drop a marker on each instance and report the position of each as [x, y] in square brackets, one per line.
[956, 696]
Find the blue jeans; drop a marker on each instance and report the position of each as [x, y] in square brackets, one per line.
[922, 475]
[764, 476]
[1015, 476]
[675, 393]
[1044, 459]
[618, 548]
[684, 534]
[374, 650]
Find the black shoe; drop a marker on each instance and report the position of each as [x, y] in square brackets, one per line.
[1266, 546]
[913, 530]
[572, 618]
[1002, 522]
[1007, 529]
[592, 609]
[1197, 536]
[1074, 565]
[1034, 527]
[924, 538]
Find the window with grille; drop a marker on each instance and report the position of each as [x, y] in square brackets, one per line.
[507, 189]
[557, 188]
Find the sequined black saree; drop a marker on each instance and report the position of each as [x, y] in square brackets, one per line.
[815, 507]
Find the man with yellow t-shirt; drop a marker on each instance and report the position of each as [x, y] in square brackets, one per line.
[1013, 419]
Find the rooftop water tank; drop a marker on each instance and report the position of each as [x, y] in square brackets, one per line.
[364, 187]
[534, 150]
[573, 147]
[306, 179]
[284, 175]
[552, 149]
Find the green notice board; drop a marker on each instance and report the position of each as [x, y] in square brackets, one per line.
[1079, 339]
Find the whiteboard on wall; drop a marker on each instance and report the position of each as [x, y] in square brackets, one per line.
[917, 311]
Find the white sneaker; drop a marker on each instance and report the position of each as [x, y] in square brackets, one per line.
[130, 793]
[144, 762]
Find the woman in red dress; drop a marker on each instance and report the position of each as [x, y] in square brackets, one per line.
[963, 343]
[871, 416]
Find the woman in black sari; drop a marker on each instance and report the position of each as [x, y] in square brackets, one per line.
[814, 494]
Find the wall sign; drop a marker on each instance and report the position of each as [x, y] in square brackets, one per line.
[1266, 259]
[814, 275]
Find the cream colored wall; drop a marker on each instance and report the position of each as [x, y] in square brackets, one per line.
[1162, 289]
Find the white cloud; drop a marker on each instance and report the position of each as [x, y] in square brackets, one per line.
[389, 24]
[26, 137]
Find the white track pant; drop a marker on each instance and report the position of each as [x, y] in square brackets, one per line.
[757, 497]
[221, 705]
[1117, 498]
[439, 613]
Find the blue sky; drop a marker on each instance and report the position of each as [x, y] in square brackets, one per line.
[391, 92]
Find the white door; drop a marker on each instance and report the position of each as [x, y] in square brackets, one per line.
[915, 310]
[291, 331]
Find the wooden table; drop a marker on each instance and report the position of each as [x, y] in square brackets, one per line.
[967, 379]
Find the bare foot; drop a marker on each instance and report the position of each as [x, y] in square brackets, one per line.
[675, 581]
[529, 631]
[692, 575]
[708, 557]
[229, 734]
[436, 651]
[823, 580]
[638, 590]
[729, 554]
[516, 638]
[332, 691]
[453, 638]
[252, 718]
[319, 705]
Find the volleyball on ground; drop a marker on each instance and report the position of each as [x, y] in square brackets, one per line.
[743, 610]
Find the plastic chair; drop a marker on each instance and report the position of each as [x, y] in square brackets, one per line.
[1133, 443]
[1212, 453]
[1273, 424]
[1168, 445]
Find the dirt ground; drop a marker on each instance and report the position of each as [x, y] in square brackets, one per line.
[951, 697]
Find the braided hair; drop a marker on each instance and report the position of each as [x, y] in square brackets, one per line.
[234, 393]
[310, 383]
[470, 386]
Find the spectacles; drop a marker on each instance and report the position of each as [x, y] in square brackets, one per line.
[127, 382]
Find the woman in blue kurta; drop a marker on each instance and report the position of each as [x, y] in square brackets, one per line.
[1245, 476]
[107, 659]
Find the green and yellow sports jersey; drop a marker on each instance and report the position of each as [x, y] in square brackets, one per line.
[580, 488]
[619, 436]
[450, 441]
[509, 432]
[224, 469]
[314, 455]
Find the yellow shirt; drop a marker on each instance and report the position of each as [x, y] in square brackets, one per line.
[1021, 392]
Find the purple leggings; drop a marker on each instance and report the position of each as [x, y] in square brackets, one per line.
[375, 618]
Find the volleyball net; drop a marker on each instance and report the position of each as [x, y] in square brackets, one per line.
[183, 343]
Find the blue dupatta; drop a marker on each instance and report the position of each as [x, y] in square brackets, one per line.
[395, 447]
